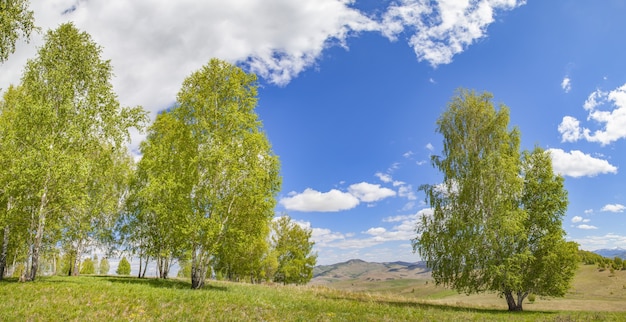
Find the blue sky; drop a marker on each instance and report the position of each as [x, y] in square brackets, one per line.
[351, 90]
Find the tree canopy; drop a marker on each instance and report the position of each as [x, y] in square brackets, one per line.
[15, 21]
[497, 215]
[205, 187]
[63, 138]
[293, 249]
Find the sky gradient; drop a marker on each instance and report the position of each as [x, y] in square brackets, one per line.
[350, 92]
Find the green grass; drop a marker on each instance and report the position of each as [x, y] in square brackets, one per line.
[104, 298]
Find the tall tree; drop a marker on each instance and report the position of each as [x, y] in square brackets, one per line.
[496, 222]
[65, 113]
[210, 160]
[160, 191]
[15, 21]
[293, 248]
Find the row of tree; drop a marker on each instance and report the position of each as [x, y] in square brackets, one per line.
[204, 191]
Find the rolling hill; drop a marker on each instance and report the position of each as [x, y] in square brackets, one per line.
[356, 269]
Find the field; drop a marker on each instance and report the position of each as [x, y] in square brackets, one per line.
[591, 291]
[595, 296]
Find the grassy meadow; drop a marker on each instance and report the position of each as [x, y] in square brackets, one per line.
[595, 296]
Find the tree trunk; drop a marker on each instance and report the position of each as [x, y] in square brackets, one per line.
[145, 266]
[5, 243]
[76, 262]
[198, 270]
[37, 246]
[510, 300]
[163, 265]
[140, 263]
[41, 223]
[5, 251]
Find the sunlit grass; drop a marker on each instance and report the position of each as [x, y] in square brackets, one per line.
[103, 298]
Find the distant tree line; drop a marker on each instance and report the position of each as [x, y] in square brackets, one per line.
[203, 192]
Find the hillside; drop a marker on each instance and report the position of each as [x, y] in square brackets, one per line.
[367, 271]
[612, 252]
[591, 290]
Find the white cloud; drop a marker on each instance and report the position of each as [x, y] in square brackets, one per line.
[577, 164]
[586, 227]
[612, 120]
[376, 231]
[368, 192]
[438, 33]
[577, 219]
[613, 208]
[324, 236]
[407, 191]
[386, 178]
[429, 147]
[335, 200]
[152, 49]
[570, 129]
[408, 154]
[312, 200]
[609, 240]
[566, 84]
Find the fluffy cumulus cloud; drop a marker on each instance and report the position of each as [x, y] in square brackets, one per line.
[312, 200]
[605, 108]
[153, 50]
[613, 208]
[368, 192]
[577, 219]
[578, 164]
[438, 32]
[570, 129]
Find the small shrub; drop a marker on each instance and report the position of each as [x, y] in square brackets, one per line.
[531, 298]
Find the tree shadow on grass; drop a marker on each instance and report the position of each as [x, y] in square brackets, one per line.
[159, 282]
[434, 306]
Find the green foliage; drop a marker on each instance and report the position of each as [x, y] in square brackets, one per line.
[531, 298]
[15, 21]
[67, 134]
[496, 222]
[88, 267]
[207, 181]
[292, 247]
[123, 268]
[589, 258]
[123, 298]
[618, 263]
[103, 268]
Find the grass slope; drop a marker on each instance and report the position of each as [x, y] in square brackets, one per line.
[98, 298]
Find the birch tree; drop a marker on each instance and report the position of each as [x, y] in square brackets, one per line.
[497, 216]
[226, 173]
[64, 111]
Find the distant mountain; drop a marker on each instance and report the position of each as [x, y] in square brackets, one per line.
[612, 252]
[368, 271]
